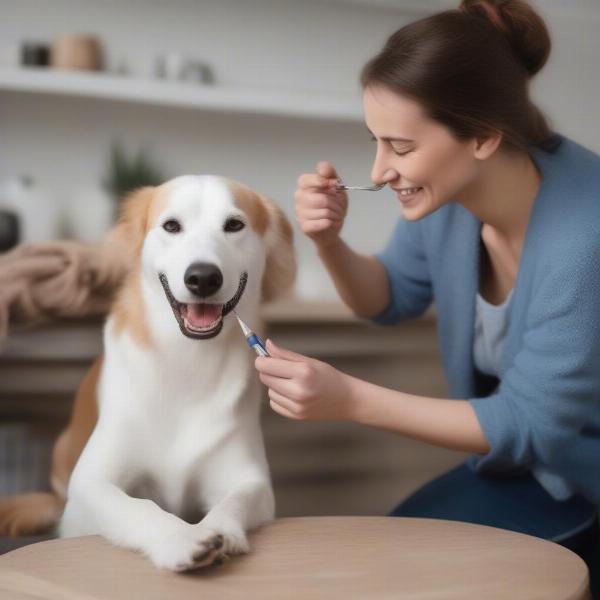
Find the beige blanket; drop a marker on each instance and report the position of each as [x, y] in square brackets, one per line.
[40, 282]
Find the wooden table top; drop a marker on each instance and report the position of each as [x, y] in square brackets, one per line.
[312, 558]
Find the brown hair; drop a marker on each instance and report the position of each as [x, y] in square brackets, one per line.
[470, 69]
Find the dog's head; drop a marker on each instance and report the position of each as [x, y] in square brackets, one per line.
[210, 242]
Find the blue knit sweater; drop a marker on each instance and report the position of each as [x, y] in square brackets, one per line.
[544, 414]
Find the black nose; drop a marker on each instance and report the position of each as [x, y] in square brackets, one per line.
[203, 279]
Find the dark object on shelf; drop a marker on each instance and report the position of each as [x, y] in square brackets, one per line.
[35, 54]
[176, 67]
[199, 72]
[9, 230]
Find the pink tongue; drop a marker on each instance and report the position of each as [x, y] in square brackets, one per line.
[203, 315]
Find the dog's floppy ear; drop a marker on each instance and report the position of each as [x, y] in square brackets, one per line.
[280, 267]
[128, 234]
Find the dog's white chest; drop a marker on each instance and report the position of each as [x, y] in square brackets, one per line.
[179, 451]
[179, 416]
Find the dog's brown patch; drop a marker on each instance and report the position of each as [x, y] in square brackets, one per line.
[249, 202]
[157, 206]
[269, 221]
[29, 514]
[140, 211]
[280, 268]
[73, 439]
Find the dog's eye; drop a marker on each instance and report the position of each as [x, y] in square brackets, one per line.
[172, 226]
[234, 225]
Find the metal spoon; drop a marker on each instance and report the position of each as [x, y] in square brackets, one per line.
[368, 188]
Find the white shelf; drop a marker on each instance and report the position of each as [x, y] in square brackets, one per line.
[182, 95]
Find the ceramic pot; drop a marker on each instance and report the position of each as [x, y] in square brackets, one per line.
[38, 212]
[76, 52]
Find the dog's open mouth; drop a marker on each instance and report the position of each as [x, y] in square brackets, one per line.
[201, 320]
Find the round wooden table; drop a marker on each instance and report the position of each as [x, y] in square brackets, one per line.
[312, 558]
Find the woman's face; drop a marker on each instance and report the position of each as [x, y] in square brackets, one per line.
[418, 157]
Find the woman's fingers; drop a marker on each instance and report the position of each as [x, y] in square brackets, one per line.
[326, 169]
[286, 387]
[286, 406]
[307, 207]
[316, 214]
[314, 201]
[314, 181]
[279, 352]
[317, 226]
[276, 366]
[282, 411]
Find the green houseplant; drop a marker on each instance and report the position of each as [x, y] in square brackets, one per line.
[128, 172]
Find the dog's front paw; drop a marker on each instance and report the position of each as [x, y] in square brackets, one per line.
[234, 538]
[189, 549]
[235, 543]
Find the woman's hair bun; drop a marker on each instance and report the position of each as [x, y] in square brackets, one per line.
[520, 23]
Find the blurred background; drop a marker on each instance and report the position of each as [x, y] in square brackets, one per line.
[96, 95]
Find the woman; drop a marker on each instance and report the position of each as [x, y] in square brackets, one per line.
[501, 229]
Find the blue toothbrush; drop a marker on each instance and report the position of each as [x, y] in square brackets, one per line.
[252, 339]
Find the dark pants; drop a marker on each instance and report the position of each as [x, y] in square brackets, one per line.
[516, 503]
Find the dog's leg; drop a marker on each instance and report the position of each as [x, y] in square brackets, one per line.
[138, 524]
[98, 503]
[240, 509]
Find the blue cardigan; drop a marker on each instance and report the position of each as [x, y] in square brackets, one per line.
[544, 414]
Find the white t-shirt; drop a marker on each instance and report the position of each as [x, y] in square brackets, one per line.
[491, 325]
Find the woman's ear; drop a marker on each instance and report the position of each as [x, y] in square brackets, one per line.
[486, 146]
[280, 267]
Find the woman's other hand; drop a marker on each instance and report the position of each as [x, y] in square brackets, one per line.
[320, 207]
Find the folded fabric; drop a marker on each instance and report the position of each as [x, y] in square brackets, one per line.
[40, 282]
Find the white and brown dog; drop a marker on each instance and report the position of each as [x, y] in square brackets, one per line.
[175, 464]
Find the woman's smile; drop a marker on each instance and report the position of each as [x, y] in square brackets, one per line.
[408, 195]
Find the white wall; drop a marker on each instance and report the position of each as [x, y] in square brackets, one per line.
[568, 88]
[278, 44]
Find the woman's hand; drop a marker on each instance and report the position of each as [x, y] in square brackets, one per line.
[320, 207]
[303, 388]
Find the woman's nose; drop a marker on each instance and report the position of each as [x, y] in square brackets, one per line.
[381, 172]
[380, 176]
